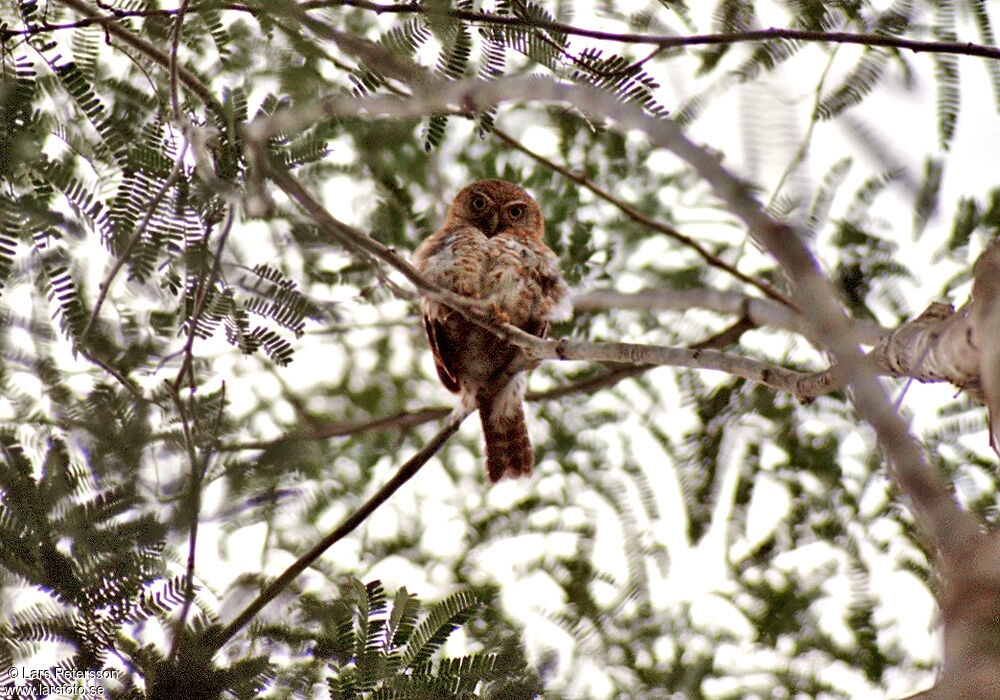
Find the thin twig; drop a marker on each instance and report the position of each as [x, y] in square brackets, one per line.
[174, 43]
[660, 41]
[634, 214]
[349, 524]
[112, 25]
[205, 284]
[105, 286]
[668, 42]
[194, 507]
[397, 421]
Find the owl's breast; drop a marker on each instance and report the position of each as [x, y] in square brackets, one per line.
[521, 277]
[454, 258]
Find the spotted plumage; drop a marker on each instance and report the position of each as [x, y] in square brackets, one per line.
[490, 248]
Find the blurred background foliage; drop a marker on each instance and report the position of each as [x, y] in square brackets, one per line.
[171, 356]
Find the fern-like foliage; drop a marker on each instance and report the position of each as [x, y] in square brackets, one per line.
[126, 239]
[277, 298]
[628, 81]
[728, 16]
[158, 217]
[543, 46]
[984, 26]
[10, 226]
[946, 75]
[404, 39]
[452, 64]
[385, 651]
[104, 569]
[861, 81]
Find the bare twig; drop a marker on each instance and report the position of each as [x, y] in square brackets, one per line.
[205, 284]
[660, 41]
[174, 43]
[324, 431]
[194, 508]
[634, 214]
[668, 42]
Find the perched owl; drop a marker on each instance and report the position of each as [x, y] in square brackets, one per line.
[490, 248]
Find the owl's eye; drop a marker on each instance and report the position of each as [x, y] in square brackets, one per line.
[478, 203]
[515, 211]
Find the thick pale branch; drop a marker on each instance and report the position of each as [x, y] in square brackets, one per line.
[952, 529]
[936, 346]
[970, 559]
[985, 332]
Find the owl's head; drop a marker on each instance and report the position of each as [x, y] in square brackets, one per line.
[495, 206]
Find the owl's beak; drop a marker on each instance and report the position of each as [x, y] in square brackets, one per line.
[492, 224]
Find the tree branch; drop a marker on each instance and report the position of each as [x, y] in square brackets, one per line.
[349, 524]
[478, 17]
[636, 215]
[409, 419]
[669, 42]
[953, 530]
[110, 24]
[800, 384]
[968, 556]
[397, 421]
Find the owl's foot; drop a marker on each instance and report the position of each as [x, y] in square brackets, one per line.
[498, 314]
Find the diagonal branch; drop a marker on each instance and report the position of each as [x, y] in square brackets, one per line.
[397, 421]
[111, 24]
[952, 529]
[636, 215]
[349, 524]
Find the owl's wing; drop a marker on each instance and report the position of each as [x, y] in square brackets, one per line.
[445, 360]
[442, 334]
[507, 352]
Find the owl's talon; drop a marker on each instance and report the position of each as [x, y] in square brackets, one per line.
[498, 314]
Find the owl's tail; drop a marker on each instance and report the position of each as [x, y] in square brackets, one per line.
[508, 448]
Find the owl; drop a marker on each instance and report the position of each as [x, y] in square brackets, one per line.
[490, 248]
